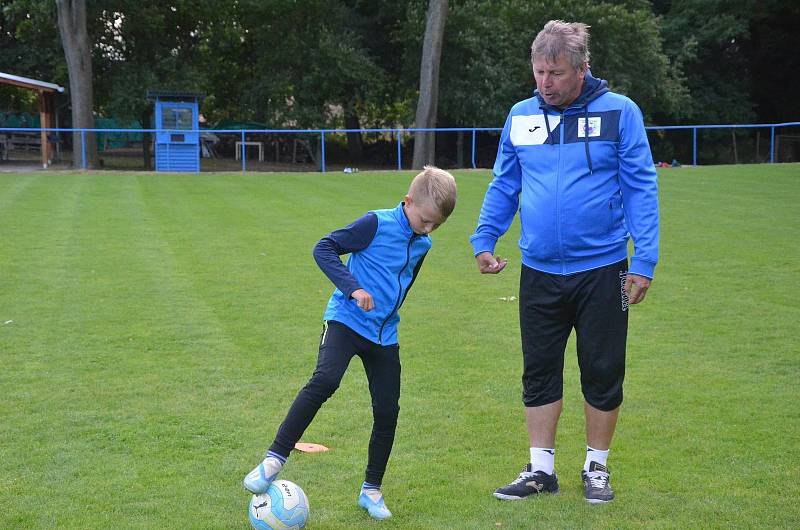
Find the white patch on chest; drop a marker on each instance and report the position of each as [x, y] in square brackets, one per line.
[532, 130]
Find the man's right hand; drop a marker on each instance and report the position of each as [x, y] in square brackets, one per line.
[364, 299]
[489, 264]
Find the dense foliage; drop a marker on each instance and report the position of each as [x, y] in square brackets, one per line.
[355, 63]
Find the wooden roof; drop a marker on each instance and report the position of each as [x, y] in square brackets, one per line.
[32, 84]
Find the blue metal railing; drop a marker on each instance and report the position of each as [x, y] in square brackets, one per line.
[397, 132]
[694, 129]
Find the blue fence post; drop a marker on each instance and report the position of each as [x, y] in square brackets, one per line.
[772, 145]
[473, 149]
[694, 146]
[399, 151]
[83, 149]
[322, 155]
[243, 152]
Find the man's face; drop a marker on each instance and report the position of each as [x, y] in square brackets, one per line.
[559, 83]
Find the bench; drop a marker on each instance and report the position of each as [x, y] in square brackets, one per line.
[24, 142]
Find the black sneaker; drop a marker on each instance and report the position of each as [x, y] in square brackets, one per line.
[596, 488]
[528, 483]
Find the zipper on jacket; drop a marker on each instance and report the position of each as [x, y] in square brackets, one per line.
[558, 195]
[399, 291]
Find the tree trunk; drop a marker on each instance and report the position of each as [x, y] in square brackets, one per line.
[425, 142]
[75, 40]
[758, 142]
[460, 149]
[147, 139]
[355, 146]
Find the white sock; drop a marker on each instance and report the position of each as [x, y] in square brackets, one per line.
[542, 459]
[595, 455]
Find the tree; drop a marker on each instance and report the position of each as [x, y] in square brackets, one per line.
[75, 40]
[774, 34]
[489, 68]
[29, 41]
[425, 142]
[729, 49]
[707, 39]
[320, 69]
[143, 45]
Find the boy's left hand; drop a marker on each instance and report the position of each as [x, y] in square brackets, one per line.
[364, 299]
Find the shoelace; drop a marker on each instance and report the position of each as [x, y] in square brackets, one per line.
[597, 479]
[374, 497]
[524, 476]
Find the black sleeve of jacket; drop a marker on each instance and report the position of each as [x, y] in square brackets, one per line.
[352, 238]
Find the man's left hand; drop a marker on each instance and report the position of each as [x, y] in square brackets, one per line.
[636, 288]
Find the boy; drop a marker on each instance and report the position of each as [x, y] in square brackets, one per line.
[386, 250]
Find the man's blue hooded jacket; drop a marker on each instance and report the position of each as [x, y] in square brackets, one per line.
[583, 181]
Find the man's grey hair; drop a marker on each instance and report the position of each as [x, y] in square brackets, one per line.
[570, 39]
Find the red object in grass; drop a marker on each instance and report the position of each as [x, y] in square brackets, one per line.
[306, 447]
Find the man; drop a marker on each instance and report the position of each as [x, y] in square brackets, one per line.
[575, 161]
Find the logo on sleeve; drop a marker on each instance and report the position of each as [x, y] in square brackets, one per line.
[532, 130]
[592, 129]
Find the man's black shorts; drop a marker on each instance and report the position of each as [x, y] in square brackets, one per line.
[595, 305]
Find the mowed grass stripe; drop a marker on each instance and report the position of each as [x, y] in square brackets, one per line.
[189, 367]
[11, 188]
[118, 285]
[38, 280]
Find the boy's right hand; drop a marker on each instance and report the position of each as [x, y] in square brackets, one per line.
[364, 299]
[488, 264]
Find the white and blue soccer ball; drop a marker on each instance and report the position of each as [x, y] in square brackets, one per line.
[283, 507]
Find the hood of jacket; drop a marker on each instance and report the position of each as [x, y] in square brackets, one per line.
[592, 89]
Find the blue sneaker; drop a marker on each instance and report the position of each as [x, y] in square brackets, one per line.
[372, 501]
[259, 479]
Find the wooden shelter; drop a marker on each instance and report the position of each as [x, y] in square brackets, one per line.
[177, 130]
[47, 94]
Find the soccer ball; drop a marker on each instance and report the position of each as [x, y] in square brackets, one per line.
[283, 507]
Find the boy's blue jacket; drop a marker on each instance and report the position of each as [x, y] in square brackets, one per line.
[385, 257]
[583, 181]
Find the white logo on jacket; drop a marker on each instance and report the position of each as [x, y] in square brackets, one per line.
[593, 129]
[532, 130]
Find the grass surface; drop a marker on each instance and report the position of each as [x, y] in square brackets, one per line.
[154, 329]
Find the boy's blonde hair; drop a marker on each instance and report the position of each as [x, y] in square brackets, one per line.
[435, 185]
